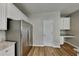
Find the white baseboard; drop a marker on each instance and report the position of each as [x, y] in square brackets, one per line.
[47, 45]
[72, 44]
[39, 45]
[56, 46]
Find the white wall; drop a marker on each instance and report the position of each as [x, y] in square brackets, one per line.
[37, 21]
[37, 31]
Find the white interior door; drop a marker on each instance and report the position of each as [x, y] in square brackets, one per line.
[48, 32]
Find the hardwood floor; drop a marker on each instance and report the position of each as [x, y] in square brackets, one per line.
[65, 50]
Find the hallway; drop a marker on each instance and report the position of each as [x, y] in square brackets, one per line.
[65, 50]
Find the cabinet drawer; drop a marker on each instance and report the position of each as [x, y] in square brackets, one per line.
[9, 51]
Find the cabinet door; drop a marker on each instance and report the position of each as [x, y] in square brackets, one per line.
[3, 16]
[10, 51]
[1, 53]
[62, 40]
[13, 12]
[65, 23]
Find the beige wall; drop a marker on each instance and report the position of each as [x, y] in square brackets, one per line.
[74, 29]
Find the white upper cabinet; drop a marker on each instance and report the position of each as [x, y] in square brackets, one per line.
[14, 13]
[3, 16]
[65, 23]
[9, 10]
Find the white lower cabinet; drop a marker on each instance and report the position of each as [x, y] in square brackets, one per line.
[9, 51]
[62, 40]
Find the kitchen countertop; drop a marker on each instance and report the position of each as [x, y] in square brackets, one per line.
[5, 44]
[67, 35]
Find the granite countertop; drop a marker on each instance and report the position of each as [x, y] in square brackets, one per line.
[5, 44]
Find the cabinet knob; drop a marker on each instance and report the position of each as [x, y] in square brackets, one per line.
[6, 51]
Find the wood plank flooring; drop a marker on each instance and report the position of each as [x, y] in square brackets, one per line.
[65, 50]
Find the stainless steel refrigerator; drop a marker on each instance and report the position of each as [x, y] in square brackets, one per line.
[20, 32]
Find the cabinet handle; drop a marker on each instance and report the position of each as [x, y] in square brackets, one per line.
[6, 51]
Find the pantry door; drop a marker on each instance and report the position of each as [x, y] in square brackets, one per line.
[48, 32]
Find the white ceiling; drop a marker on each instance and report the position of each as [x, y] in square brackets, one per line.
[35, 8]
